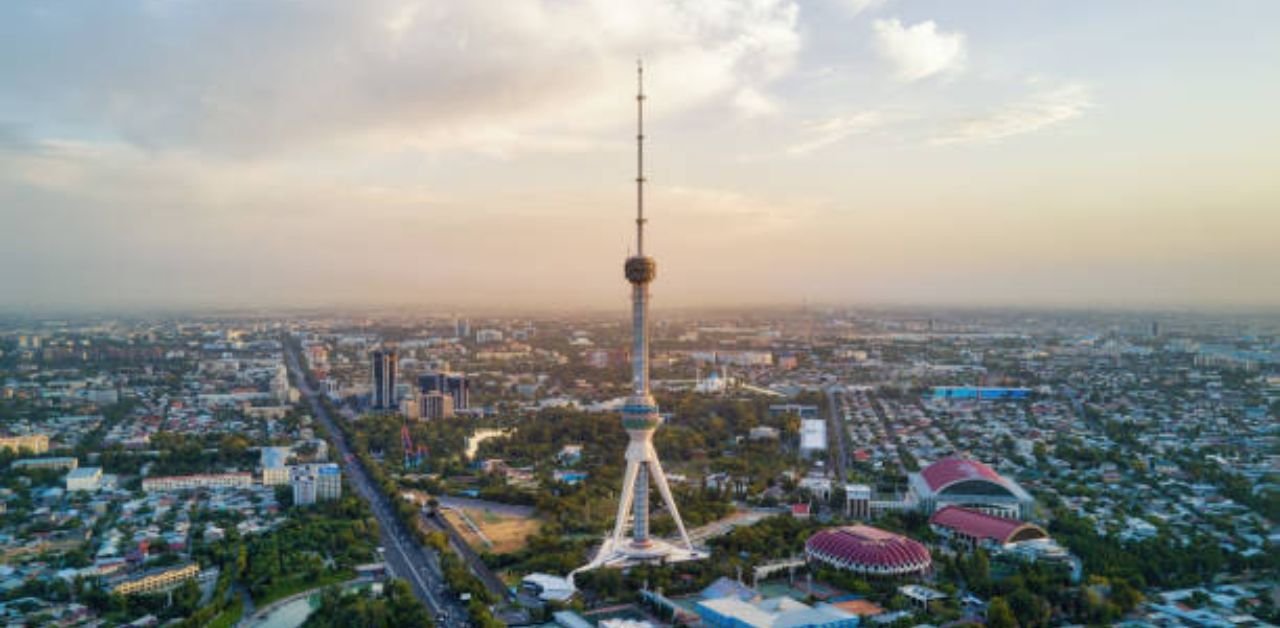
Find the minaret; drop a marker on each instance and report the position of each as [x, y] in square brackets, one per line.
[640, 413]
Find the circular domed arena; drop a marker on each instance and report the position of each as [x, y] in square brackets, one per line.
[869, 551]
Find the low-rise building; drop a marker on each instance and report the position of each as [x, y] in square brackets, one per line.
[35, 443]
[200, 480]
[57, 463]
[84, 479]
[274, 469]
[979, 529]
[157, 580]
[275, 476]
[734, 612]
[813, 437]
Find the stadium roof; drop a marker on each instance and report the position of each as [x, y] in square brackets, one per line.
[865, 546]
[948, 471]
[982, 526]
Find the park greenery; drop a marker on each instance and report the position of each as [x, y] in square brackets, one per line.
[395, 607]
[374, 430]
[317, 545]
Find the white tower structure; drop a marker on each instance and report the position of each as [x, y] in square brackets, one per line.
[640, 414]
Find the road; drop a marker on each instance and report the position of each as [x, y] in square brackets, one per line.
[490, 580]
[739, 519]
[837, 429]
[406, 558]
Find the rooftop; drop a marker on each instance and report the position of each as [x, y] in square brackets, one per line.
[948, 471]
[980, 525]
[865, 545]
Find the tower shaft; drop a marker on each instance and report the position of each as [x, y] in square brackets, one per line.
[640, 339]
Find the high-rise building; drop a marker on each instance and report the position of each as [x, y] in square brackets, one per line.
[328, 481]
[640, 418]
[304, 491]
[461, 328]
[486, 336]
[384, 379]
[459, 387]
[312, 482]
[411, 406]
[454, 385]
[437, 405]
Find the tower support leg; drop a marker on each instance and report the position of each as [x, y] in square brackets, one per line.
[660, 479]
[640, 517]
[624, 504]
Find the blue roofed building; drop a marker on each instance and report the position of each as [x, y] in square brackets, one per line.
[779, 612]
[728, 587]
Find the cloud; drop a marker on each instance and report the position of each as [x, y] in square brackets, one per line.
[823, 133]
[1038, 111]
[262, 78]
[857, 7]
[918, 51]
[751, 103]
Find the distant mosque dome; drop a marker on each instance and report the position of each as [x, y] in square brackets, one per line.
[713, 383]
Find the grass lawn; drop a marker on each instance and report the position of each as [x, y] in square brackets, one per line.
[229, 617]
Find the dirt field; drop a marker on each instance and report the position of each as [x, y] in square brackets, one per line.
[504, 532]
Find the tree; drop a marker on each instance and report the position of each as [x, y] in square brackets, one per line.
[186, 598]
[1125, 596]
[1000, 615]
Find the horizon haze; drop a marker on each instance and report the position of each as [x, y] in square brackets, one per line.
[481, 155]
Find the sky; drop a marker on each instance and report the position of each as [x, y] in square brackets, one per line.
[1093, 153]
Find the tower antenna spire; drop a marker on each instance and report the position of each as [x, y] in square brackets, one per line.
[640, 158]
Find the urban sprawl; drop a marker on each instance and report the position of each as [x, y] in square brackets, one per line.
[833, 467]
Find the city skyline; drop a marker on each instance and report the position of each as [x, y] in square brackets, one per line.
[842, 152]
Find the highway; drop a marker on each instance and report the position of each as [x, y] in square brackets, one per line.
[406, 558]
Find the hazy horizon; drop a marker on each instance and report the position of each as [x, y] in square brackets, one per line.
[622, 311]
[479, 156]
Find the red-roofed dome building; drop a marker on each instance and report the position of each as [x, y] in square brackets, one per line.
[867, 550]
[970, 484]
[980, 529]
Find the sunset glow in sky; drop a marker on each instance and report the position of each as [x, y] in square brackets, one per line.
[479, 154]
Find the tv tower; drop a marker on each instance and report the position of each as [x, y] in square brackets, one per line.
[640, 412]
